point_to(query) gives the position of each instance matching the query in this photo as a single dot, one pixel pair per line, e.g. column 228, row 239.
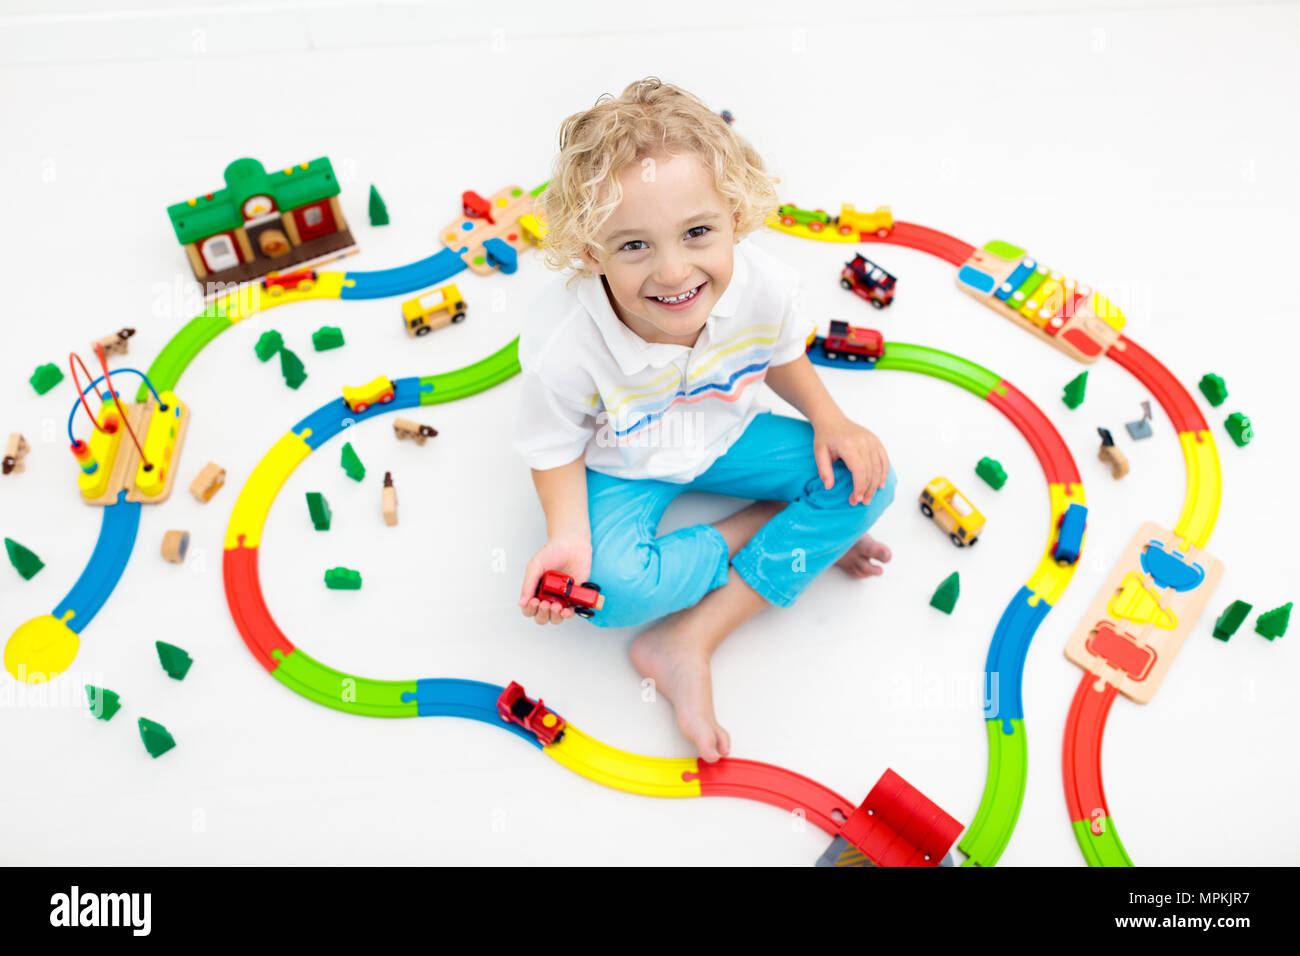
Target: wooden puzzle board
column 469, row 234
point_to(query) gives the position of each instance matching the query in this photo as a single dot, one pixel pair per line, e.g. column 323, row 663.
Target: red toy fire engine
column 853, row 344
column 585, row 598
column 515, row 707
column 869, row 281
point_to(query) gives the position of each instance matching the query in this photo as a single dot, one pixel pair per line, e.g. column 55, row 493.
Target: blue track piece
column 470, row 699
column 332, row 417
column 1005, row 667
column 818, row 357
column 107, row 562
column 408, row 278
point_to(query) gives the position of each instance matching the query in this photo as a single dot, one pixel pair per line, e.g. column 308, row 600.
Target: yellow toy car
column 378, row 392
column 952, row 511
column 433, row 310
column 851, row 221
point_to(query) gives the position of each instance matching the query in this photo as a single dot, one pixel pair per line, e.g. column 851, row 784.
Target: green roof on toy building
column 220, row 211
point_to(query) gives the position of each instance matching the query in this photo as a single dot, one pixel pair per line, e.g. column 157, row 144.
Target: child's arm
column 834, row 435
column 563, row 494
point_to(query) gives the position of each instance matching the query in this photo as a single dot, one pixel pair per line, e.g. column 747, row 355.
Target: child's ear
column 735, row 225
column 591, row 262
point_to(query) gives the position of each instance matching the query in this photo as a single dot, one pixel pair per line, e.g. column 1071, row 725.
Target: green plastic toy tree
column 319, row 509
column 174, row 660
column 1273, row 623
column 1074, row 390
column 268, row 344
column 1231, row 619
column 292, row 369
column 378, row 211
column 156, row 738
column 991, row 470
column 352, row 464
column 103, row 702
column 23, row 559
column 945, row 596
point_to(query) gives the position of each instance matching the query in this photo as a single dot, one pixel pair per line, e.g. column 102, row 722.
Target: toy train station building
column 263, row 222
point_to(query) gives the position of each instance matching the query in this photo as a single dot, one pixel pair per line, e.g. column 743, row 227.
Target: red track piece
column 1173, row 398
column 765, row 783
column 946, row 247
column 1084, row 727
column 898, row 825
column 1053, row 455
column 248, row 607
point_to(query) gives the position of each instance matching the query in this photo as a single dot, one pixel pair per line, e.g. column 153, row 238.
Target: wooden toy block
column 208, row 482
column 389, row 500
column 1144, row 611
column 174, row 546
column 16, row 450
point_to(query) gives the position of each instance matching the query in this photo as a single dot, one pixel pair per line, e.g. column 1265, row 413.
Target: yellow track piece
column 1204, row 487
column 257, row 495
column 650, row 776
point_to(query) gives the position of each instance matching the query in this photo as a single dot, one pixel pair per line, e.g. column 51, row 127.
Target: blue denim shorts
column 645, row 576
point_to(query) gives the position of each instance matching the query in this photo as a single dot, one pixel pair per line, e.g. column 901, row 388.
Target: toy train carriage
column 515, row 707
column 1071, row 316
column 379, row 391
column 852, row 343
column 849, row 226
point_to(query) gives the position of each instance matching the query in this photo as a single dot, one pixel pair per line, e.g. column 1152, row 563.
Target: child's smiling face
column 669, row 249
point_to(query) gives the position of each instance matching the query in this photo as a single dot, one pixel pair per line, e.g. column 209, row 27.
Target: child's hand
column 859, row 449
column 571, row 556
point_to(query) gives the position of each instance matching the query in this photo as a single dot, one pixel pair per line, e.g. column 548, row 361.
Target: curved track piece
column 1084, row 795
column 766, row 783
column 382, row 283
column 117, row 532
column 936, row 243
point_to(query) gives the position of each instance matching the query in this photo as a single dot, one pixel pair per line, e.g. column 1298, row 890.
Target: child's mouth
column 677, row 303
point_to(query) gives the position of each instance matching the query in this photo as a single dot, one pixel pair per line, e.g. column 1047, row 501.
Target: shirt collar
column 630, row 351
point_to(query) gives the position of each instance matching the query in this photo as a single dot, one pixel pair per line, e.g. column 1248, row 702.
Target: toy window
column 961, row 505
column 313, row 216
column 219, row 253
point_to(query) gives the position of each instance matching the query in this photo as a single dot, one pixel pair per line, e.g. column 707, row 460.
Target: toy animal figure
column 404, row 428
column 15, row 450
column 1112, row 455
column 115, row 344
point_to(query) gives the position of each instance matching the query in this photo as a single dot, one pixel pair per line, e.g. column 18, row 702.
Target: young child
column 640, row 380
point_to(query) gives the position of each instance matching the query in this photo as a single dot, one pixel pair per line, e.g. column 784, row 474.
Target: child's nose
column 671, row 271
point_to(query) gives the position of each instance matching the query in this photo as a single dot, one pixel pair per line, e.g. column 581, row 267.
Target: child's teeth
column 674, row 299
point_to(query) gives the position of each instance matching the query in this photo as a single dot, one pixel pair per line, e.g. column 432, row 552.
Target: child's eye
column 630, row 244
column 697, row 231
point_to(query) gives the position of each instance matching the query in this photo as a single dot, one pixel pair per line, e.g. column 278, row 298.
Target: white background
column 1149, row 149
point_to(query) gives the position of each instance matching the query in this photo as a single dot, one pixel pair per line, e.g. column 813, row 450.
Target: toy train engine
column 1069, row 539
column 852, row 344
column 514, row 707
column 866, row 279
column 585, row 598
column 277, row 283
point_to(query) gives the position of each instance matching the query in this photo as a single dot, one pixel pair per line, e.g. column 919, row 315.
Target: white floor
column 1148, row 148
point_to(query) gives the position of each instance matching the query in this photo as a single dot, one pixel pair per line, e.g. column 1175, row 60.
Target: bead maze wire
column 73, row 361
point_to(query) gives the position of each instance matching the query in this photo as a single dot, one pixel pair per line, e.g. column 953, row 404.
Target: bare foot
column 680, row 670
column 858, row 560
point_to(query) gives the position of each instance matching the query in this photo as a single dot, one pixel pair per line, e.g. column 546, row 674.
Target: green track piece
column 319, row 509
column 904, row 357
column 1004, row 791
column 23, row 559
column 327, row 337
column 378, row 211
column 1074, row 390
column 945, row 595
column 45, row 377
column 1213, row 389
column 1231, row 619
column 479, row 377
column 174, row 660
column 269, row 343
column 156, row 738
column 1004, row 249
column 991, row 470
column 1273, row 623
column 343, row 579
column 184, row 346
column 354, row 695
column 292, row 369
column 1100, row 849
column 1240, row 428
column 352, row 463
column 103, row 702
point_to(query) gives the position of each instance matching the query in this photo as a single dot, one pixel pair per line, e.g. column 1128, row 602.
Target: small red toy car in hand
column 585, row 598
column 515, row 707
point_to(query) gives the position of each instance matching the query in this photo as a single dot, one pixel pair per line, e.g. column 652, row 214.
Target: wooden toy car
column 433, row 310
column 378, row 392
column 851, row 221
column 815, row 219
column 515, row 707
column 208, row 483
column 404, row 428
column 852, row 343
column 868, row 280
column 115, row 344
column 585, row 598
column 15, row 450
column 278, row 283
column 1069, row 537
column 952, row 511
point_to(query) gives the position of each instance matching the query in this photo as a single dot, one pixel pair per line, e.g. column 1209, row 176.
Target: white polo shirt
column 593, row 388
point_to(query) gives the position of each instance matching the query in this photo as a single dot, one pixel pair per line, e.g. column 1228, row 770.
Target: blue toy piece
column 1069, row 541
column 1170, row 570
column 501, row 255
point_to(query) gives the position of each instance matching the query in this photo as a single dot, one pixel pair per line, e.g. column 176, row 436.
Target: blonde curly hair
column 649, row 118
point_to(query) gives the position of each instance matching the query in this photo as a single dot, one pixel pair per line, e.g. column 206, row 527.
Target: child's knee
column 623, row 577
